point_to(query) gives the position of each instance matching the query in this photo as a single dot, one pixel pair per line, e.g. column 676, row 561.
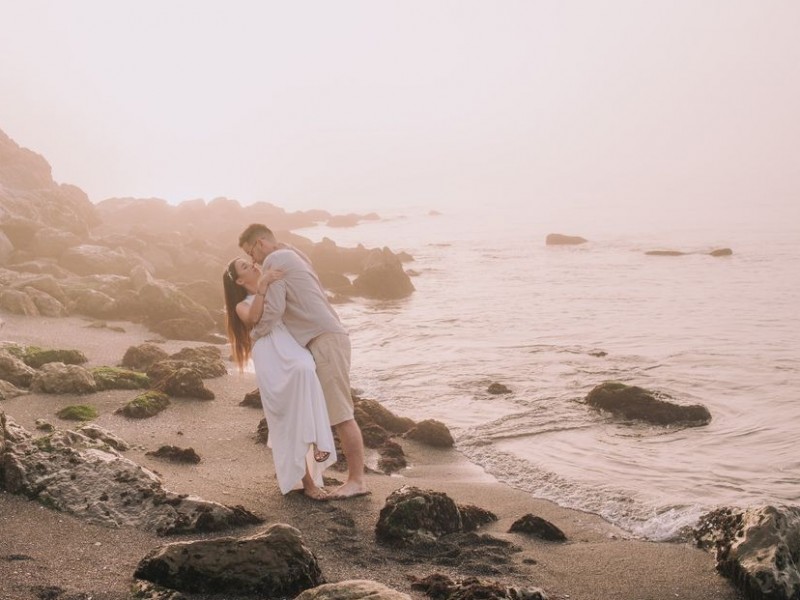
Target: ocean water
column 494, row 303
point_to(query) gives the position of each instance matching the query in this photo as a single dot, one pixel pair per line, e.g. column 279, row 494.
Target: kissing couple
column 278, row 314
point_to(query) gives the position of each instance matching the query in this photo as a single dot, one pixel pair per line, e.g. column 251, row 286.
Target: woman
column 299, row 430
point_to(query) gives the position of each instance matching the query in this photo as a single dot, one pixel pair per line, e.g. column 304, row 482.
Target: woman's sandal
column 320, row 455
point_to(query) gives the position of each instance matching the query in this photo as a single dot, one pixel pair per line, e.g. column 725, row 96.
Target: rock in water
column 633, row 402
column 558, row 239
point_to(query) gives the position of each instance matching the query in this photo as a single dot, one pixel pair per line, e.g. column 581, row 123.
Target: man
column 299, row 299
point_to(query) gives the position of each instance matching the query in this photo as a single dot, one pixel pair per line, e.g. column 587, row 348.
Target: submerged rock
column 633, row 402
column 272, row 564
column 498, row 388
column 382, row 277
column 758, row 548
column 559, row 239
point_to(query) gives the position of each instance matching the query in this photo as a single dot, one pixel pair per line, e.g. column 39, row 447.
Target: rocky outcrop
column 758, row 548
column 272, row 564
column 72, row 472
column 353, row 589
column 559, row 239
column 633, row 402
column 538, row 527
column 382, row 277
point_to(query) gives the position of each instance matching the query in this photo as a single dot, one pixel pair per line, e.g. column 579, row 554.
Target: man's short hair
column 255, row 231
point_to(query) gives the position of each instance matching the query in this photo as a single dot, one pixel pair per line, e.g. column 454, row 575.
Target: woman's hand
column 267, row 277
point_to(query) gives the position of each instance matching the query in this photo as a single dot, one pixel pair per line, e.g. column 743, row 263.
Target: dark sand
column 598, row 562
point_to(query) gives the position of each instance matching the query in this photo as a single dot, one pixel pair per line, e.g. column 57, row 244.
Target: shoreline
column 599, row 560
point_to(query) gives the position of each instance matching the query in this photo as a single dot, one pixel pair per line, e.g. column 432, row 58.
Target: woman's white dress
column 294, row 406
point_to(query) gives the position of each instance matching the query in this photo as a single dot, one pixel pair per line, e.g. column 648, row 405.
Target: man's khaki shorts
column 331, row 352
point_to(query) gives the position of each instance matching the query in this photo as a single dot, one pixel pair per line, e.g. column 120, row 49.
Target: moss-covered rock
column 116, row 378
column 35, row 357
column 77, row 412
column 145, row 405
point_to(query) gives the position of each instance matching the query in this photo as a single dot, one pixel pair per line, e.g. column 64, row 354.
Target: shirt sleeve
column 275, row 299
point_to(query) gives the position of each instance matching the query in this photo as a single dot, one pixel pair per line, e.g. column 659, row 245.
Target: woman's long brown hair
column 238, row 334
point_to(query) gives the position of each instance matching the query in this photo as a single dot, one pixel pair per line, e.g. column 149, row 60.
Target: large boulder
column 633, row 402
column 538, row 527
column 758, row 548
column 353, row 589
column 272, row 564
column 369, row 412
column 382, row 277
column 143, row 356
column 75, row 473
column 162, row 301
column 431, row 432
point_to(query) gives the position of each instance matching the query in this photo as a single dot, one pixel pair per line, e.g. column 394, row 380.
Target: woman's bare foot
column 316, row 493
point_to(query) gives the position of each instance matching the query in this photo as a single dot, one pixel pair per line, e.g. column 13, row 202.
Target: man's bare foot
column 315, row 493
column 349, row 490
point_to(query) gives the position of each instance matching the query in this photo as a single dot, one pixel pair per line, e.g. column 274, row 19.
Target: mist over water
column 493, row 303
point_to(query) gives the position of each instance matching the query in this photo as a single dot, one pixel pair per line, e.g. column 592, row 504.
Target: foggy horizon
column 667, row 107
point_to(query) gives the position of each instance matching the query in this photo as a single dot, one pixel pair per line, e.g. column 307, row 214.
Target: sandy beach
column 42, row 549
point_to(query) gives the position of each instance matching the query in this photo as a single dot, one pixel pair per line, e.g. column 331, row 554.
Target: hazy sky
column 350, row 105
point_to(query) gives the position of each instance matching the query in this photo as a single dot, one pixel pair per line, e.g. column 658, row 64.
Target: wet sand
column 42, row 548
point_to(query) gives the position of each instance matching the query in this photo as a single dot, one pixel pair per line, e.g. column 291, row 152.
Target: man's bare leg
column 353, row 448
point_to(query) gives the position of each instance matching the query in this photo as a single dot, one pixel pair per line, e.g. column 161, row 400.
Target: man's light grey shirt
column 298, row 299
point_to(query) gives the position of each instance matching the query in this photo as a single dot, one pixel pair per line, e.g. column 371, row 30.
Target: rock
column 58, row 378
column 262, row 433
column 440, row 587
column 412, row 516
column 45, row 303
column 274, row 564
column 71, row 472
column 336, row 282
column 352, row 589
column 143, row 356
column 392, row 458
column 498, row 388
column 181, row 382
column 50, row 242
column 45, row 426
column 369, row 411
column 175, row 454
column 98, row 433
column 632, row 402
column 206, row 360
column 538, row 527
column 181, row 329
column 431, row 432
column 77, row 412
column 162, row 301
column 13, row 370
column 757, row 548
column 44, row 283
column 473, row 517
column 252, row 399
column 374, row 435
column 35, row 357
column 8, row 390
column 18, row 303
column 145, row 405
column 115, row 378
column 558, row 239
column 93, row 303
column 382, row 277
column 721, row 252
column 88, row 259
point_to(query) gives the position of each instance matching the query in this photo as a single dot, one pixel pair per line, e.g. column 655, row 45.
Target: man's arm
column 275, row 299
